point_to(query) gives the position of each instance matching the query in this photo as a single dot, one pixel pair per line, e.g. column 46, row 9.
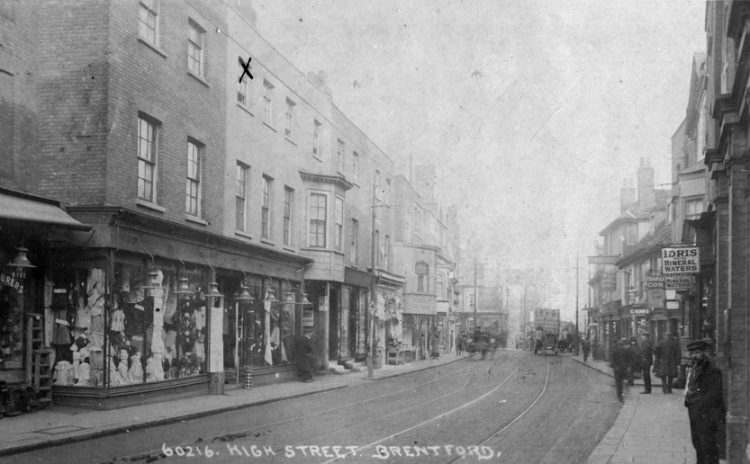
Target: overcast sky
column 533, row 111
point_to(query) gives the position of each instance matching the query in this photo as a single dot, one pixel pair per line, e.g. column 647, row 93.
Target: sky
column 532, row 111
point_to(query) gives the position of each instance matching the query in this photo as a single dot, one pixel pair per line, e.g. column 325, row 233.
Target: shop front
column 143, row 309
column 29, row 227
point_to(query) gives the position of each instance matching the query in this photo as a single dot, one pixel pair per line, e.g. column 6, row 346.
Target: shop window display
column 271, row 328
column 11, row 319
column 153, row 333
column 78, row 303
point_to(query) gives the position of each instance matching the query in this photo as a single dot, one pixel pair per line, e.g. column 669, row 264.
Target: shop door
column 333, row 324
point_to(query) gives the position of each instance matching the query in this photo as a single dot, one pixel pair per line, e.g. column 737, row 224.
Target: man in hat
column 705, row 403
column 620, row 363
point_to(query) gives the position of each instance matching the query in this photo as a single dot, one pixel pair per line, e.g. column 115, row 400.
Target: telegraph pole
column 576, row 342
column 475, row 294
column 372, row 288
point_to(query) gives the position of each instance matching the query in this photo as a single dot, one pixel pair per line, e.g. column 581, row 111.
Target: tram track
column 253, row 431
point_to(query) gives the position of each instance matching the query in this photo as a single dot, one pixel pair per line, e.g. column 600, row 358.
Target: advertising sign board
column 656, row 281
column 673, row 304
column 678, row 281
column 680, row 260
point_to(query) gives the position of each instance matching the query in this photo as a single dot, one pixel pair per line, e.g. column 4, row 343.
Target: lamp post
column 371, row 322
column 246, row 300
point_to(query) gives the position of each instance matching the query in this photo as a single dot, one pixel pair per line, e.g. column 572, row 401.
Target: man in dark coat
column 705, row 403
column 586, row 349
column 647, row 356
column 303, row 357
column 620, row 363
column 669, row 359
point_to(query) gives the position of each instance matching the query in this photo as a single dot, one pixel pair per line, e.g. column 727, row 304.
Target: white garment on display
column 267, row 332
column 157, row 333
column 118, row 321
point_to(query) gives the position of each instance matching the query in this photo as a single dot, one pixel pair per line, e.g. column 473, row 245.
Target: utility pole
column 475, row 294
column 372, row 288
column 576, row 342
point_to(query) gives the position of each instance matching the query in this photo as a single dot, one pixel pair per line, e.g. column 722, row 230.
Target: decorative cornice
column 338, row 181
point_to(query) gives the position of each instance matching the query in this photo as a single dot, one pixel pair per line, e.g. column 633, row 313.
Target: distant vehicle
column 480, row 343
column 547, row 336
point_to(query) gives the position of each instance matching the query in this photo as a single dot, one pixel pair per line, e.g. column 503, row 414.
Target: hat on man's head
column 695, row 345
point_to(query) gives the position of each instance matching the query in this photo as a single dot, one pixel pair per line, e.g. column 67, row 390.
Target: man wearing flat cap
column 705, row 402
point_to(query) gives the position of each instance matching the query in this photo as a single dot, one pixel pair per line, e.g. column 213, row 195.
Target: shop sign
column 680, row 260
column 308, row 319
column 640, row 312
column 656, row 281
column 673, row 305
column 678, row 281
column 12, row 281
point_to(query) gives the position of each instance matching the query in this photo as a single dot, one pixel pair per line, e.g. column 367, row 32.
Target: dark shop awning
column 16, row 206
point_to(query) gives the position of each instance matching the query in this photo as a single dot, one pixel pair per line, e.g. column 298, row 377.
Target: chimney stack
column 646, row 194
column 627, row 195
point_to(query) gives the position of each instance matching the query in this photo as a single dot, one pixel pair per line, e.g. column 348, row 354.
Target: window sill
column 245, row 109
column 149, row 205
column 269, row 126
column 291, row 250
column 242, row 234
column 267, row 242
column 290, row 141
column 198, row 78
column 196, row 220
column 152, row 47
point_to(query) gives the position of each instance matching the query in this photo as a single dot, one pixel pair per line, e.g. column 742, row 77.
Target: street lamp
column 246, row 300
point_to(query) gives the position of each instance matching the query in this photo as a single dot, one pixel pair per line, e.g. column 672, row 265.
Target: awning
column 16, row 206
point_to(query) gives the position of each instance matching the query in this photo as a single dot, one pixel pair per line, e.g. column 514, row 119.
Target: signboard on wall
column 679, row 281
column 656, row 281
column 680, row 260
column 308, row 318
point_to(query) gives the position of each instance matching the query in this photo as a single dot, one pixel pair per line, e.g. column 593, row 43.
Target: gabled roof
column 652, row 243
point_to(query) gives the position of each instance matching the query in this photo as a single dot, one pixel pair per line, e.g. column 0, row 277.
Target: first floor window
column 146, row 160
column 422, row 270
column 193, row 181
column 353, row 248
column 266, row 208
column 317, row 214
column 288, row 205
column 240, row 196
column 339, row 217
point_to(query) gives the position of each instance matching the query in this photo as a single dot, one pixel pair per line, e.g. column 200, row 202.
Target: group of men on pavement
column 703, row 386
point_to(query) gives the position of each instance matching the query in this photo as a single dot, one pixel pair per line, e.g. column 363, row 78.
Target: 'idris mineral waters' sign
column 680, row 260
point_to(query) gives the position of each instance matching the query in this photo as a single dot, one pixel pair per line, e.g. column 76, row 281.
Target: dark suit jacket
column 704, row 390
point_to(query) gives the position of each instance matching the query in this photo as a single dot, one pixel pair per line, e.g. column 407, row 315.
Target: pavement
column 649, row 428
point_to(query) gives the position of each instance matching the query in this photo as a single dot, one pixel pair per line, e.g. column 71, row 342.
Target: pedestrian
column 705, row 403
column 586, row 349
column 635, row 360
column 668, row 356
column 647, row 356
column 303, row 357
column 434, row 343
column 620, row 363
column 460, row 343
